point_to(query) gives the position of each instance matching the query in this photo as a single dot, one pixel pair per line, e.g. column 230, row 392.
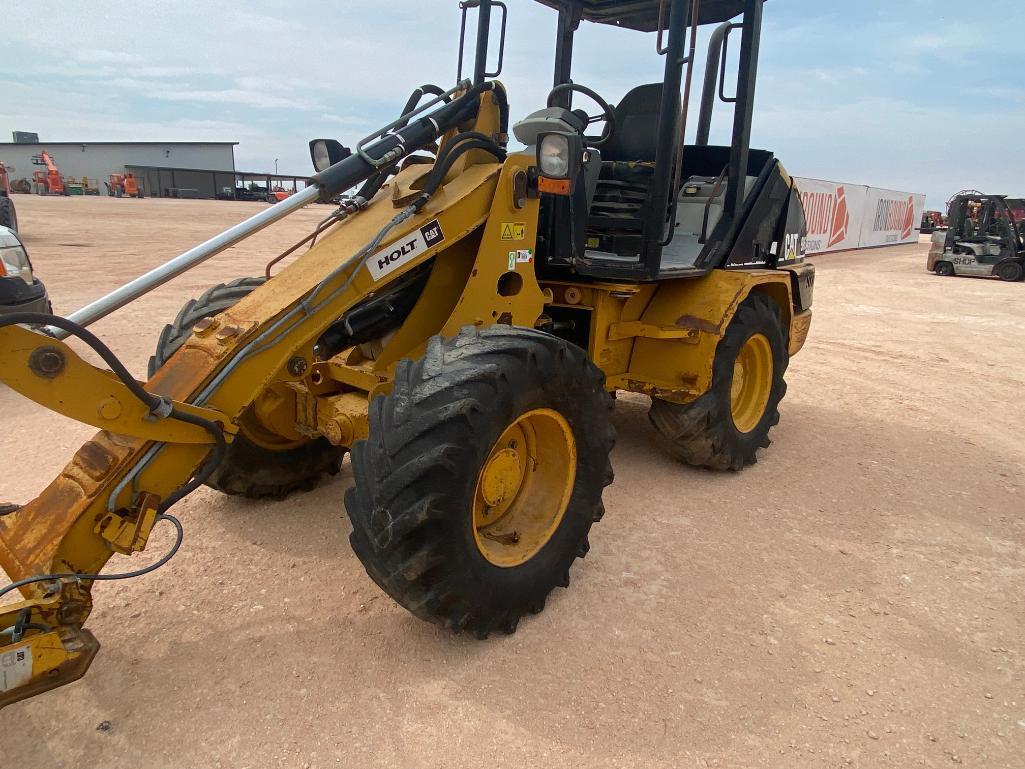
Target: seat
column 628, row 163
column 636, row 134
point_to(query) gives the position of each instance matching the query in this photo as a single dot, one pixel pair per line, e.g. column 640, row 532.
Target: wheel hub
column 502, row 476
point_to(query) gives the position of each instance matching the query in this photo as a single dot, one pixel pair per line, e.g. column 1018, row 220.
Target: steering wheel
column 608, row 113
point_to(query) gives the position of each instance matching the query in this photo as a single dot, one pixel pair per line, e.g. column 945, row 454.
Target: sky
column 915, row 95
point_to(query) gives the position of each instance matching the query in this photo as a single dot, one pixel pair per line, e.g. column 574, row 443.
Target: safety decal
column 513, row 231
column 15, row 668
column 390, row 258
column 525, row 256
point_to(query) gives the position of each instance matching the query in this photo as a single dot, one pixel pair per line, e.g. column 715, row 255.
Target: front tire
column 724, row 428
column 481, row 476
column 944, row 269
column 8, row 216
column 250, row 469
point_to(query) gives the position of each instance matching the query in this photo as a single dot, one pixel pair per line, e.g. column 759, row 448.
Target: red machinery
column 50, row 181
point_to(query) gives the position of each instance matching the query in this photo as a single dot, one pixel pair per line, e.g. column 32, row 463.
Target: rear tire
column 704, row 433
column 249, row 470
column 8, row 216
column 1011, row 272
column 944, row 269
column 432, row 442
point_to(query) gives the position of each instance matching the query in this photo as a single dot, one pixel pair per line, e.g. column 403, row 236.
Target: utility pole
column 275, row 166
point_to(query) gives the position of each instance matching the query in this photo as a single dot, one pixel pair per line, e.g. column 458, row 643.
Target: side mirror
column 326, row 152
column 559, row 158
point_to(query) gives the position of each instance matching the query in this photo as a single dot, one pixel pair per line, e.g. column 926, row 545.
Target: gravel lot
column 854, row 599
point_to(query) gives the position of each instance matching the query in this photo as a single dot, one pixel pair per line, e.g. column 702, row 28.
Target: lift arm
column 107, row 498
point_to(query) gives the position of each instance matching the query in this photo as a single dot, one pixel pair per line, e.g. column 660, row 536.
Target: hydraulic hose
column 159, row 407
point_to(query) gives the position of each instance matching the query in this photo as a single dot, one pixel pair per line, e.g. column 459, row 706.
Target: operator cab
column 643, row 205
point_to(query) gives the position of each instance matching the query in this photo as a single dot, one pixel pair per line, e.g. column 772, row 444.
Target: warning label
column 513, row 231
column 15, row 668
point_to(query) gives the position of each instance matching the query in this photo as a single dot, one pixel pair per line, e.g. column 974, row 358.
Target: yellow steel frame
column 655, row 338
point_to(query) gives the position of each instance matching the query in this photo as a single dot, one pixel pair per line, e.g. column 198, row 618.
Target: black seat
column 628, row 163
column 636, row 125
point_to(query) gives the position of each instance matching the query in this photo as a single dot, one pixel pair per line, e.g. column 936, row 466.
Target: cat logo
column 793, row 249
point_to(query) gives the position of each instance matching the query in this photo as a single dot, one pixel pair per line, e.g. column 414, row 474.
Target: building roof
column 79, row 144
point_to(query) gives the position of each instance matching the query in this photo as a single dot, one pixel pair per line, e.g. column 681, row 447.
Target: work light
column 559, row 156
column 553, row 156
column 326, row 152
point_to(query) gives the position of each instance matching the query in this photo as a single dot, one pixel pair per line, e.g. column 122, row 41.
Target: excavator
column 50, row 181
column 458, row 325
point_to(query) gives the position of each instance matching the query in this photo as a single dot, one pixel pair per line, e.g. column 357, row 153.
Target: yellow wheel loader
column 459, row 323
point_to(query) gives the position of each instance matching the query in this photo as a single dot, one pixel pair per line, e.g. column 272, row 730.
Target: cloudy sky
column 919, row 95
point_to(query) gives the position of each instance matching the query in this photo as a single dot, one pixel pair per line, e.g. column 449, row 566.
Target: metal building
column 97, row 160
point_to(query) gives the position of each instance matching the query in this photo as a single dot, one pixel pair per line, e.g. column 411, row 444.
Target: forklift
column 459, row 325
column 984, row 238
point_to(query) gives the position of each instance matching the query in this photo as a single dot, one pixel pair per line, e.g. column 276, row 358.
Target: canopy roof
column 642, row 15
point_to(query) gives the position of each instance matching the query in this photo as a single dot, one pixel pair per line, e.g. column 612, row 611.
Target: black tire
column 944, row 269
column 249, row 470
column 416, row 474
column 8, row 216
column 703, row 433
column 1011, row 272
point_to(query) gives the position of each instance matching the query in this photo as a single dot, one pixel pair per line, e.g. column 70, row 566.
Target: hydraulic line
column 161, row 408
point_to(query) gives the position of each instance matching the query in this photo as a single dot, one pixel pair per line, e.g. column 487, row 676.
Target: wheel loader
column 460, row 323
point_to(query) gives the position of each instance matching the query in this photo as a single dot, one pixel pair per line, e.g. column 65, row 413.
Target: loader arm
column 104, row 500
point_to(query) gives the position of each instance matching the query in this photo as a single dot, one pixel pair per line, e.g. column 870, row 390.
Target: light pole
column 275, row 166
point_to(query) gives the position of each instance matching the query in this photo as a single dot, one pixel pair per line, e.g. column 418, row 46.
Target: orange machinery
column 122, row 185
column 50, row 181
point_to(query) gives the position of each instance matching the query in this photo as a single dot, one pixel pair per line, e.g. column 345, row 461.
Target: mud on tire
column 702, row 433
column 416, row 474
column 249, row 470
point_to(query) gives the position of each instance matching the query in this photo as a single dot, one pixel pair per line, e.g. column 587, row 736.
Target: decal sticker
column 512, row 261
column 593, row 242
column 525, row 256
column 792, row 247
column 15, row 668
column 390, row 258
column 513, row 231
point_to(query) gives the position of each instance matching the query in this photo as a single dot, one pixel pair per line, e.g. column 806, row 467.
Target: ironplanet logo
column 826, row 215
column 895, row 215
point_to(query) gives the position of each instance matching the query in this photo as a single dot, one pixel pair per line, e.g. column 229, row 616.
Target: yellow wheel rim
column 752, row 383
column 524, row 487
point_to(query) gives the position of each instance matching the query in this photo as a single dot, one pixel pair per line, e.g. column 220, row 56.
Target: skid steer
column 460, row 323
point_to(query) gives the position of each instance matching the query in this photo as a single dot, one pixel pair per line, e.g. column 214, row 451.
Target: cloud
column 235, row 96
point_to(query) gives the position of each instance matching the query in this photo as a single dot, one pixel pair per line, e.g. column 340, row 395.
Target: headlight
column 14, row 264
column 326, row 152
column 321, row 159
column 553, row 156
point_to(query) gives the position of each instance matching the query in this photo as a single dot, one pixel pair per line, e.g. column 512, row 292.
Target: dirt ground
column 854, row 599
